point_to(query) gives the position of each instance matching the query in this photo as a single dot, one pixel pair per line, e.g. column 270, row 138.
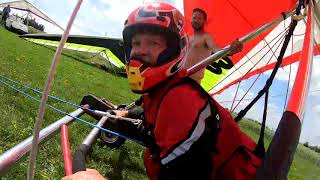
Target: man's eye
column 135, row 43
column 155, row 43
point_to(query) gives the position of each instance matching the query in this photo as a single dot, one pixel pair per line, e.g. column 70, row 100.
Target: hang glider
column 239, row 67
column 112, row 47
column 24, row 5
column 225, row 15
column 297, row 33
column 249, row 17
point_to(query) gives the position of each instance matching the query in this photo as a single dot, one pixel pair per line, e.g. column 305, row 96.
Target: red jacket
column 196, row 138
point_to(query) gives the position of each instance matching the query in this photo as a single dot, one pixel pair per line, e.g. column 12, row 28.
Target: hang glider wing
column 229, row 20
column 111, row 46
column 24, row 5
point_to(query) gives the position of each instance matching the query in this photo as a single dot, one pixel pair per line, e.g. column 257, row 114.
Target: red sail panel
column 231, row 19
column 302, row 81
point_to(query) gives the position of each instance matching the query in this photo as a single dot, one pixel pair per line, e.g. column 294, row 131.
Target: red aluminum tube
column 302, row 82
column 66, row 150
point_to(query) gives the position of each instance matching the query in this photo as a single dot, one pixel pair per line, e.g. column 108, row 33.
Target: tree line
column 34, row 24
column 315, row 148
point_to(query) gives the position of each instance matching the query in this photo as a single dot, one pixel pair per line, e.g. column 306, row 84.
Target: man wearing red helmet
column 187, row 134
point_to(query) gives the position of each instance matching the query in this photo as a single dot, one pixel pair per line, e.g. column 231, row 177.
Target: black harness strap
column 260, row 149
column 243, row 112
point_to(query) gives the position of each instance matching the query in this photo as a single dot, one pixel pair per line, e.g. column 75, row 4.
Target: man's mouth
column 143, row 60
column 196, row 26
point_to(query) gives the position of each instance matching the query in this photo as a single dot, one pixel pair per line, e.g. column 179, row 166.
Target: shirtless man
column 202, row 45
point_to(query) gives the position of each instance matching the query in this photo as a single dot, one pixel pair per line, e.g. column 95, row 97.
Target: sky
column 106, row 18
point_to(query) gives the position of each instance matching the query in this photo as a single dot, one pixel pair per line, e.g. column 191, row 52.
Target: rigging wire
column 235, row 96
column 108, row 60
column 259, row 73
column 65, row 113
column 249, row 59
column 232, row 110
column 277, row 65
column 40, row 92
column 50, row 96
column 274, row 96
column 289, row 79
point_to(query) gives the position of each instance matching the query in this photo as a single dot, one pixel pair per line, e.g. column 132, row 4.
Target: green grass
column 28, row 63
column 92, row 59
column 306, row 163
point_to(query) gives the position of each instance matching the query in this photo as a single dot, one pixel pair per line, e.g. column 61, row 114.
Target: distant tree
column 34, row 24
column 306, row 144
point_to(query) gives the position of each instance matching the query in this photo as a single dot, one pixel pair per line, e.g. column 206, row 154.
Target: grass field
column 28, row 63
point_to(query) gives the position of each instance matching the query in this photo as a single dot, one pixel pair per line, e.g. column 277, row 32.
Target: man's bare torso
column 201, row 46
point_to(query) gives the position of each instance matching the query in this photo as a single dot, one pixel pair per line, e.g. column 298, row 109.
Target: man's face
column 146, row 47
column 197, row 21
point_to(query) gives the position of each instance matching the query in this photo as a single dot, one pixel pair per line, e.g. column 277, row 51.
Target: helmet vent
column 161, row 18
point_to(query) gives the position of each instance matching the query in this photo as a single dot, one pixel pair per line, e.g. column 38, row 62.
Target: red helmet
column 160, row 18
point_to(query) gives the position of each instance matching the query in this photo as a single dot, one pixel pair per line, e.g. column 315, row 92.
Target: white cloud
column 311, row 123
column 101, row 17
column 96, row 17
column 316, row 109
column 283, row 73
column 315, row 80
column 119, row 10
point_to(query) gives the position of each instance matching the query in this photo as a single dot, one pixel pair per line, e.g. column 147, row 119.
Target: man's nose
column 140, row 50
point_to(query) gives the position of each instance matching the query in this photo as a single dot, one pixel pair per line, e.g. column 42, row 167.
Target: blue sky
column 102, row 17
column 96, row 17
column 311, row 123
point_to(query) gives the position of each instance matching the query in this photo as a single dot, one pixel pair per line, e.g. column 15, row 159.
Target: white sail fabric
column 269, row 51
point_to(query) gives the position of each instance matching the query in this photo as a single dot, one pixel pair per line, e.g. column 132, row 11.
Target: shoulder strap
column 212, row 122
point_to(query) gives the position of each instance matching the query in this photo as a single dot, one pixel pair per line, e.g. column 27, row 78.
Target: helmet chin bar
column 136, row 81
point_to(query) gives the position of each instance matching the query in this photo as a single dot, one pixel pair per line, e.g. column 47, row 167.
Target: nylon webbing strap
column 260, row 149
